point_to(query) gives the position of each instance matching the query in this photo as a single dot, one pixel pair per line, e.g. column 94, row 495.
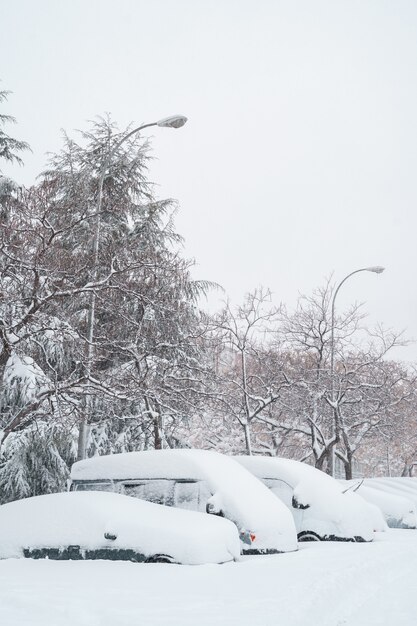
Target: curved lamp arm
column 377, row 269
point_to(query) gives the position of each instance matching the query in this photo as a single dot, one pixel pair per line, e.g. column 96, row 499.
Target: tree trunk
column 157, row 432
column 322, row 460
column 247, row 439
column 331, row 458
column 82, row 439
column 407, row 470
column 349, row 466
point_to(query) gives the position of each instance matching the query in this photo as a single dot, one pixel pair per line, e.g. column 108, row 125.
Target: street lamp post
column 376, row 270
column 174, row 121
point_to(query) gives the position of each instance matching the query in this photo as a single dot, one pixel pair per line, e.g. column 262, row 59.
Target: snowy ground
column 331, row 584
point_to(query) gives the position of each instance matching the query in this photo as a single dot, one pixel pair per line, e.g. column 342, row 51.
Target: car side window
column 92, row 486
column 192, row 495
column 156, row 491
column 205, row 494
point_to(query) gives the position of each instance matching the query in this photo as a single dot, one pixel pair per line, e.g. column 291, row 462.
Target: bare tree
column 337, row 413
column 250, row 377
column 306, row 335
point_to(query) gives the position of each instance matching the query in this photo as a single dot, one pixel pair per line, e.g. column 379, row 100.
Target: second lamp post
column 376, row 270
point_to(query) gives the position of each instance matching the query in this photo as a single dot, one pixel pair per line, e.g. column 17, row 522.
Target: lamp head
column 174, row 121
column 377, row 269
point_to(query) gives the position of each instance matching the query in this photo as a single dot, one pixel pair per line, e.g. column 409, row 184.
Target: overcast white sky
column 300, row 155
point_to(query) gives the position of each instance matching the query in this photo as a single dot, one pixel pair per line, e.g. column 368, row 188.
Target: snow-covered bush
column 36, row 460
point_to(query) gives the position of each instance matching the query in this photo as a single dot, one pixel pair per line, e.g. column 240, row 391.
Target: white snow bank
column 321, row 506
column 83, row 518
column 326, row 584
column 236, row 493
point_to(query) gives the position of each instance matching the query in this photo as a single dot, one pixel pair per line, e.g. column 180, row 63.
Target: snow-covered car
column 398, row 510
column 198, row 480
column 321, row 510
column 404, row 486
column 111, row 526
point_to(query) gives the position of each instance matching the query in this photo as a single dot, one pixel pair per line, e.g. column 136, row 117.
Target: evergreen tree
column 140, row 375
column 9, row 147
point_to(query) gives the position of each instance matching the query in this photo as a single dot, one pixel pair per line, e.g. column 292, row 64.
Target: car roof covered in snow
column 175, row 464
column 288, row 470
